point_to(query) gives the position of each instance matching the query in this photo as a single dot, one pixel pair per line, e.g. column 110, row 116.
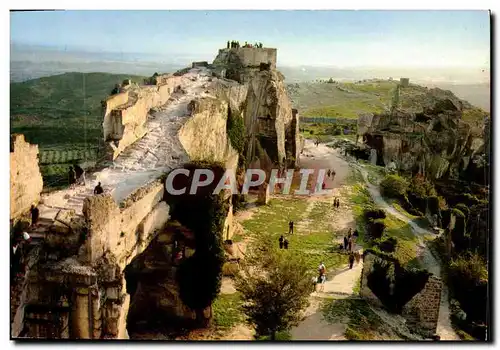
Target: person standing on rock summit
column 98, row 189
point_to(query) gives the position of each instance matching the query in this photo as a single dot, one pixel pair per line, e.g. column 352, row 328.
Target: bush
column 389, row 245
column 394, row 186
column 374, row 214
column 239, row 202
column 235, row 128
column 464, row 209
column 469, row 283
column 376, row 228
column 421, row 187
column 433, row 205
column 406, row 283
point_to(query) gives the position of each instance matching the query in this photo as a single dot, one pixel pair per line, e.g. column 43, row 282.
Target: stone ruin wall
column 125, row 115
column 253, row 57
column 421, row 312
column 26, row 182
column 204, row 135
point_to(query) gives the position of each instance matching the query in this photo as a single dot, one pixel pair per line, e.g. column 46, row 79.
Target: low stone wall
column 123, row 231
column 125, row 123
column 422, row 311
column 25, row 178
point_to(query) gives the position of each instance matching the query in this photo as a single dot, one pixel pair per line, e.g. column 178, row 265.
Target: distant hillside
column 348, row 100
column 62, row 111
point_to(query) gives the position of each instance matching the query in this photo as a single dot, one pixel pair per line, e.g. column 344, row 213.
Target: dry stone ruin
column 421, row 311
column 90, row 256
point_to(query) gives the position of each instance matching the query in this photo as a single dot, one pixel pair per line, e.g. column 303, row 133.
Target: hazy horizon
column 337, row 38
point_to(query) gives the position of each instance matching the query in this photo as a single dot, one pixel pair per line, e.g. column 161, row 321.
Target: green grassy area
column 407, row 241
column 62, row 111
column 315, row 246
column 350, row 109
column 227, row 311
column 362, row 322
column 349, row 99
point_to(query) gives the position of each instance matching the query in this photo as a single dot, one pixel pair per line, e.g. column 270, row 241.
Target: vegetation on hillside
column 62, row 111
column 350, row 99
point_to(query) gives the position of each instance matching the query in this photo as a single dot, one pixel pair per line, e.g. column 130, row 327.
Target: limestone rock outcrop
column 25, row 178
column 125, row 113
column 433, row 139
column 256, row 90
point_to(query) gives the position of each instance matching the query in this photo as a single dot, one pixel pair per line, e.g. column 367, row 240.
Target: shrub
column 394, row 186
column 239, row 201
column 374, row 214
column 406, row 283
column 469, row 283
column 389, row 245
column 421, row 187
column 235, row 128
column 433, row 204
column 464, row 209
column 376, row 228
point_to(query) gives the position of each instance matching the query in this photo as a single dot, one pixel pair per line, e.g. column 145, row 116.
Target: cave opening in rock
column 151, row 280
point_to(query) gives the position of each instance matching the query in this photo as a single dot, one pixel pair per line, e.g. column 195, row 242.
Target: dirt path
column 341, row 282
column 444, row 328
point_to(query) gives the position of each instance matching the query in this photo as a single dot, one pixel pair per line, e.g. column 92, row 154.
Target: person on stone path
column 80, row 174
column 357, row 256
column 290, row 227
column 322, row 276
column 71, row 176
column 349, row 244
column 35, row 213
column 285, row 243
column 345, row 242
column 329, row 172
column 98, row 189
column 281, row 240
column 338, row 203
column 351, row 260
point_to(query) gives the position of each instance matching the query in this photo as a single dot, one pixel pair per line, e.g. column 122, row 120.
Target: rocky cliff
column 256, row 91
column 430, row 138
column 25, row 178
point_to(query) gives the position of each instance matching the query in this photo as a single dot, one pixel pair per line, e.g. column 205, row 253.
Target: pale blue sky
column 337, row 38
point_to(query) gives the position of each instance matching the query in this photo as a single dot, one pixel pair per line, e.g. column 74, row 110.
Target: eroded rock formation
column 431, row 138
column 25, row 178
column 76, row 279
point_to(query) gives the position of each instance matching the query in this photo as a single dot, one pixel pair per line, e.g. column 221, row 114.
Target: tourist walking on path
column 290, row 227
column 285, row 243
column 349, row 244
column 322, row 276
column 281, row 241
column 35, row 213
column 80, row 175
column 351, row 260
column 345, row 242
column 357, row 256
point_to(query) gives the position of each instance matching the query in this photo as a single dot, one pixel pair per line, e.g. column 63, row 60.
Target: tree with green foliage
column 200, row 275
column 275, row 286
column 468, row 276
column 394, row 186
